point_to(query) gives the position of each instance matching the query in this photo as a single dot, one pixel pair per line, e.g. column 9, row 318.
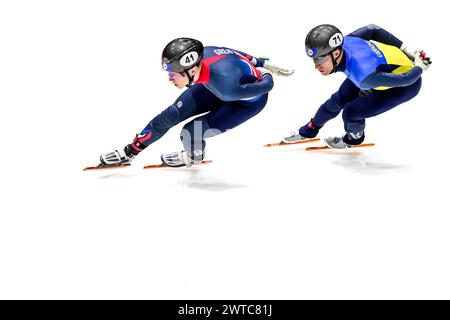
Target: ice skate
column 182, row 158
column 336, row 143
column 294, row 137
column 117, row 157
column 348, row 141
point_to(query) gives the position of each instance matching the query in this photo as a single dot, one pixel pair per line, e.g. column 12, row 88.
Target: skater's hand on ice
column 264, row 71
column 278, row 70
column 422, row 61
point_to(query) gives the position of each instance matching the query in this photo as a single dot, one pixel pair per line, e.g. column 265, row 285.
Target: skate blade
column 329, row 148
column 162, row 165
column 282, row 143
column 102, row 166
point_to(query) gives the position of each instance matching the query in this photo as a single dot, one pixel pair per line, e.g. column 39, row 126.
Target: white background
column 79, row 78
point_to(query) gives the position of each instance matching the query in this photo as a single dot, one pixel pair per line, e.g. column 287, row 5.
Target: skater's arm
column 386, row 79
column 250, row 90
column 265, row 63
column 257, row 62
column 374, row 32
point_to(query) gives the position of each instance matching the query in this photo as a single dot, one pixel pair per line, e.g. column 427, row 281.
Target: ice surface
column 82, row 78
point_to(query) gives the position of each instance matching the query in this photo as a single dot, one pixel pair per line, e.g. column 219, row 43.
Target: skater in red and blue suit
column 228, row 85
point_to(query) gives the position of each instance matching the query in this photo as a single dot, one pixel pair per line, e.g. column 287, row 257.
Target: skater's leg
column 377, row 102
column 356, row 111
column 330, row 109
column 193, row 101
column 347, row 92
column 221, row 119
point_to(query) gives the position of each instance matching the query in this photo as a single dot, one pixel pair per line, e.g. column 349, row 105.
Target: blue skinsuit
column 229, row 88
column 372, row 61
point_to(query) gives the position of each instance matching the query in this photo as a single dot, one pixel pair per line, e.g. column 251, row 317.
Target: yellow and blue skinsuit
column 379, row 77
column 374, row 65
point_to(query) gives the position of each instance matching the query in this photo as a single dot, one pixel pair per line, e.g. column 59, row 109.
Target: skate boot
column 294, row 137
column 182, row 158
column 347, row 141
column 118, row 157
column 306, row 132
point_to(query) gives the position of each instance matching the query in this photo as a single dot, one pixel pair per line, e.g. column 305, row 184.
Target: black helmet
column 322, row 40
column 182, row 54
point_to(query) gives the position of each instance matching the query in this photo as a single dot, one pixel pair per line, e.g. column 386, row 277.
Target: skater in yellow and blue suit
column 381, row 71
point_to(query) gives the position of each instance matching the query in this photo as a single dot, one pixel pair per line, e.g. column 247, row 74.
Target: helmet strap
column 335, row 64
column 190, row 78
